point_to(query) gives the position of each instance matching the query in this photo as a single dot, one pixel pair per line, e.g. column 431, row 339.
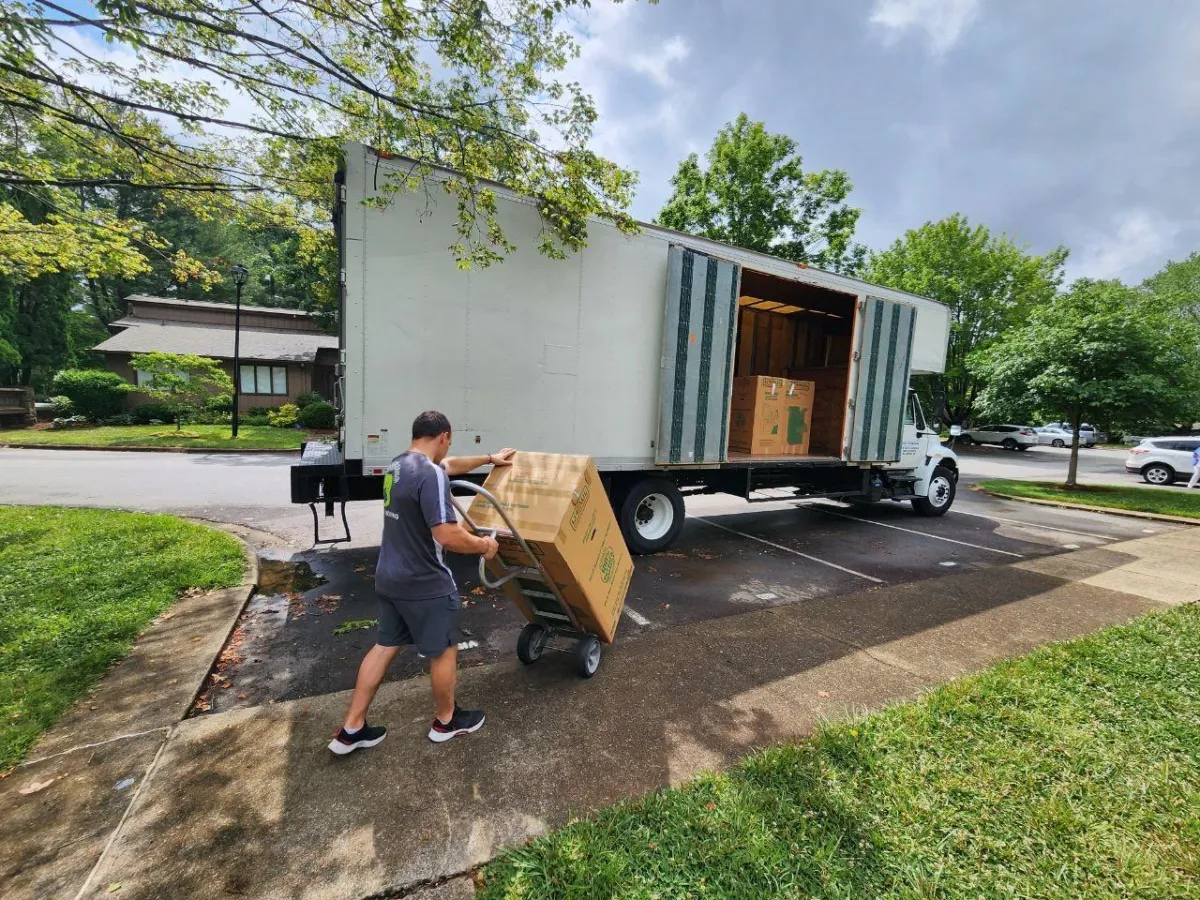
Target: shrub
column 148, row 413
column 257, row 415
column 308, row 398
column 62, row 407
column 70, row 422
column 318, row 415
column 285, row 416
column 122, row 420
column 211, row 417
column 221, row 403
column 94, row 393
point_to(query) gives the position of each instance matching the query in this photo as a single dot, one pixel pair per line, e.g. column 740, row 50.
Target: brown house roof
column 208, row 304
column 217, row 342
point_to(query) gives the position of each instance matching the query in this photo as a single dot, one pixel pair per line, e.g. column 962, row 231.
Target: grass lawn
column 1072, row 772
column 206, row 437
column 76, row 587
column 1163, row 500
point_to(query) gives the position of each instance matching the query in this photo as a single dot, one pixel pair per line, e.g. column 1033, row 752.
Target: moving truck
column 627, row 351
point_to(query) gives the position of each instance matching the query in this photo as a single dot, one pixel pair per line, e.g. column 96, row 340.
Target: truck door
column 697, row 358
column 884, row 360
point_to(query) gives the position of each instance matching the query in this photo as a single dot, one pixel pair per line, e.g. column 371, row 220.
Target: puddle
column 280, row 574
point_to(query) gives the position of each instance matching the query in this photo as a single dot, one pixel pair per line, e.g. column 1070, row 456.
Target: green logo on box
column 608, row 565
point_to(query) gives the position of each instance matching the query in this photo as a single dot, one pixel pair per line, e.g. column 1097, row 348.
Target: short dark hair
column 430, row 424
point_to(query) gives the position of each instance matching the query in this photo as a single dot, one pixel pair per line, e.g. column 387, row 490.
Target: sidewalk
column 250, row 803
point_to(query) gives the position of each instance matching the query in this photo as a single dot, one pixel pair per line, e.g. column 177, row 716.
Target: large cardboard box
column 559, row 506
column 770, row 416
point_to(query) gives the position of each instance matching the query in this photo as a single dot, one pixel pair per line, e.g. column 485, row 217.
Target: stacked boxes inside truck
column 559, row 506
column 770, row 416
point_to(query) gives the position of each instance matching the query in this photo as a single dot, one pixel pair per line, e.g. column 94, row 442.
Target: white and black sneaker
column 348, row 741
column 464, row 721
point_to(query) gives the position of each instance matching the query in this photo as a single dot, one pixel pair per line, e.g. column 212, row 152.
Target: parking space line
column 823, row 562
column 637, row 617
column 1103, row 537
column 936, row 537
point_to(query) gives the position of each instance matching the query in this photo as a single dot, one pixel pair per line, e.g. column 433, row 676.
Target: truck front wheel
column 942, row 487
column 651, row 515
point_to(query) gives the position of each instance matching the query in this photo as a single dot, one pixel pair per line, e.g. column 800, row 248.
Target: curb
column 231, row 450
column 1131, row 513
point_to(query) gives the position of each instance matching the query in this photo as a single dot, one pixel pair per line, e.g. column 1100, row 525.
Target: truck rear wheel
column 942, row 488
column 651, row 515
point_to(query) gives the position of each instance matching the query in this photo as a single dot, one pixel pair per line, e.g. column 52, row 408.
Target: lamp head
column 239, row 274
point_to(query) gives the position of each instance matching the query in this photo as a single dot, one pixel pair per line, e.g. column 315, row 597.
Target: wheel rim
column 537, row 643
column 1009, row 444
column 654, row 517
column 593, row 656
column 939, row 491
column 1156, row 475
column 1059, row 444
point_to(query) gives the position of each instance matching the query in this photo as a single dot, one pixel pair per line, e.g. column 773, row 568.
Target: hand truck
column 548, row 613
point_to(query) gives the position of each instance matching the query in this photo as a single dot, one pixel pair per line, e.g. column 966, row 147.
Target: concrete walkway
column 250, row 803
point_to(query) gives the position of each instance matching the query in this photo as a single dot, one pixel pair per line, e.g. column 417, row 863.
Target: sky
column 1073, row 122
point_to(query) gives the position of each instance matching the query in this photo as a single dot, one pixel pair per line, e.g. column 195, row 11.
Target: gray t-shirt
column 416, row 497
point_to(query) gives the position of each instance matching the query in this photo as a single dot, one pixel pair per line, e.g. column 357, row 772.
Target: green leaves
column 755, row 194
column 990, row 283
column 181, row 381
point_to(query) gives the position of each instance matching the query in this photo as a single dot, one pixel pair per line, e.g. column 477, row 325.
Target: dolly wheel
column 531, row 643
column 587, row 656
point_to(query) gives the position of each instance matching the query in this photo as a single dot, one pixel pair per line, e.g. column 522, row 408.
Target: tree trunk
column 1073, row 469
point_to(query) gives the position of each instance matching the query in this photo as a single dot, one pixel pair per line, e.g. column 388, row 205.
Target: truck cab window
column 914, row 415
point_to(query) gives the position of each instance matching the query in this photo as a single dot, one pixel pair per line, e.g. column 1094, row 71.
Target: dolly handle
column 490, row 532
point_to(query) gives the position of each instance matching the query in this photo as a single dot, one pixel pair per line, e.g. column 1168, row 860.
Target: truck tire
column 942, row 488
column 651, row 515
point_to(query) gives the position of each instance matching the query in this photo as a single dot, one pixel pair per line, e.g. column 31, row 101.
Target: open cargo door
column 697, row 358
column 884, row 357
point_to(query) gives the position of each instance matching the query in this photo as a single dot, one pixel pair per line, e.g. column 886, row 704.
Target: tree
column 1179, row 284
column 236, row 110
column 990, row 284
column 1101, row 351
column 754, row 193
column 182, row 382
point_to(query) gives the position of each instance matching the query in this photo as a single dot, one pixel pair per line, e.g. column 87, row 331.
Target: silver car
column 1010, row 437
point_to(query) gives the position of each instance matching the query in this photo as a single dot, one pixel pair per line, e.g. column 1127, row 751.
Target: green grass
column 1165, row 501
column 1072, row 772
column 76, row 587
column 356, row 625
column 206, row 437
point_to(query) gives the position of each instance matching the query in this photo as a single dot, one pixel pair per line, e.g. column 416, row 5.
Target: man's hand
column 504, row 457
column 491, row 548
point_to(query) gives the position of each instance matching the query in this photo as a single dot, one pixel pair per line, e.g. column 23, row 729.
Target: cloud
column 943, row 21
column 1132, row 239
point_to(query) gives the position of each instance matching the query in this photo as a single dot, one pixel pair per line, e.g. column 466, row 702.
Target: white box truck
column 625, row 351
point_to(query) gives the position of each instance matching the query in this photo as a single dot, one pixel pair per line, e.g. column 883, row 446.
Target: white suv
column 1010, row 437
column 1162, row 460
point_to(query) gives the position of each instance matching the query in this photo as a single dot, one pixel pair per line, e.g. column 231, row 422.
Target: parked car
column 1089, row 435
column 1162, row 460
column 1010, row 437
column 1053, row 437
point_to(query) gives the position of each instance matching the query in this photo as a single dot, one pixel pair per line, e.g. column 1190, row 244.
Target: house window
column 264, row 380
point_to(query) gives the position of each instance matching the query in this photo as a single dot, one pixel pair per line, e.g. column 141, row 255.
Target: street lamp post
column 239, row 278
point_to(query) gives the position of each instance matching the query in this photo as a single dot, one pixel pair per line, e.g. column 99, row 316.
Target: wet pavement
column 306, row 630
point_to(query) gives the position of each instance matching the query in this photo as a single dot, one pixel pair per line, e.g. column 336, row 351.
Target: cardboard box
column 770, row 416
column 559, row 506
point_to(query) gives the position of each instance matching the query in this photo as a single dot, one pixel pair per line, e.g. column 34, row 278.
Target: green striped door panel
column 697, row 358
column 884, row 365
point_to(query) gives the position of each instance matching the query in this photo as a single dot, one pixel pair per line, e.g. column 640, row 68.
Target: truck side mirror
column 955, row 431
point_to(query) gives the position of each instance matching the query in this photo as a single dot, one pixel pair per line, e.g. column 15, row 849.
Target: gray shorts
column 430, row 625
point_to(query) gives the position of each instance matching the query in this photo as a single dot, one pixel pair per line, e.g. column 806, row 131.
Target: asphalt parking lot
column 294, row 640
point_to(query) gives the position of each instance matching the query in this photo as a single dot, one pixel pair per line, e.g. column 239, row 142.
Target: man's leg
column 370, row 675
column 443, row 674
column 1195, row 477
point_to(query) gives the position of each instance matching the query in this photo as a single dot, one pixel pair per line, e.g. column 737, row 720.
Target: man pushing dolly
column 418, row 599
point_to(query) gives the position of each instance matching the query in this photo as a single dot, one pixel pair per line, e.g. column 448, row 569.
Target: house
column 283, row 352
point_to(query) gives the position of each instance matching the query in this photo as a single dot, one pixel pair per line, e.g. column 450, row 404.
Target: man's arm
column 461, row 465
column 457, row 539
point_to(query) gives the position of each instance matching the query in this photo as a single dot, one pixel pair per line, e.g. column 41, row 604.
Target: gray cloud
column 1073, row 122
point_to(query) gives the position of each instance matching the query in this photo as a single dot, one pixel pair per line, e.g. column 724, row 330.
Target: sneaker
column 367, row 736
column 464, row 721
